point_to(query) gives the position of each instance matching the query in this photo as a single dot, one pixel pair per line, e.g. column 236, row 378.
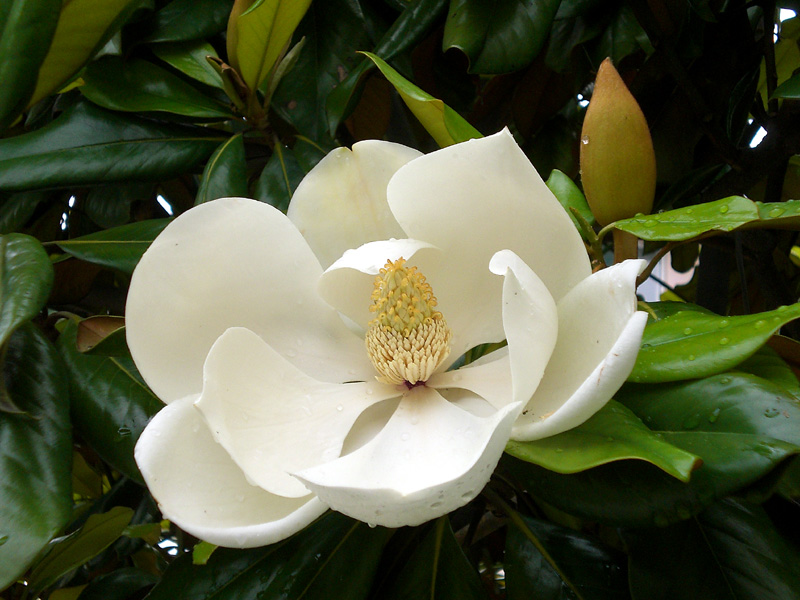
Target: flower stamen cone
column 408, row 339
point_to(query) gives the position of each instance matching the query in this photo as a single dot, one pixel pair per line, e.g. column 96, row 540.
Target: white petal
column 227, row 263
column 271, row 417
column 530, row 321
column 348, row 283
column 489, row 378
column 341, row 203
column 201, row 489
column 598, row 339
column 431, row 458
column 472, row 200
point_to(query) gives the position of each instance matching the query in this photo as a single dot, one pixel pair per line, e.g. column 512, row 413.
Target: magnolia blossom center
column 408, row 339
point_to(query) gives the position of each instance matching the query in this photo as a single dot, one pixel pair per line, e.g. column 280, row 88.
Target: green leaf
column 571, row 197
column 767, row 364
column 183, row 20
column 35, row 453
column 279, row 179
column 789, row 88
column 731, row 551
column 262, row 32
column 612, row 434
column 597, row 571
column 411, row 27
column 110, row 403
column 103, row 335
column 687, row 223
column 499, row 37
column 225, row 174
column 728, row 402
column 120, row 584
column 26, row 277
column 117, row 248
column 87, row 144
column 25, row 35
column 777, row 214
column 17, row 209
column 190, row 59
column 70, row 552
column 444, row 124
column 437, row 570
column 691, row 344
column 137, row 85
column 110, row 205
column 84, row 26
column 201, row 552
column 335, row 557
column 333, row 31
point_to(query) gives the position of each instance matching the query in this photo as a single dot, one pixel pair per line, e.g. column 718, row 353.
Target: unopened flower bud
column 618, row 165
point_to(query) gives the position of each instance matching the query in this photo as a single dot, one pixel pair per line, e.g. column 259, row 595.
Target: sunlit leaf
column 691, row 344
column 190, row 58
column 444, row 124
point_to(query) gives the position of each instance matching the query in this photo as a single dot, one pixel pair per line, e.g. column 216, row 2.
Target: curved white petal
column 598, row 339
column 472, row 200
column 431, row 458
column 341, row 203
column 227, row 263
column 198, row 486
column 271, row 417
column 489, row 378
column 348, row 283
column 530, row 320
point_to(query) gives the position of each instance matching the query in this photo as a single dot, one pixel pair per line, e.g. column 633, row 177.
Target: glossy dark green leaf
column 767, row 364
column 87, row 144
column 437, row 570
column 84, row 26
column 183, row 20
column 119, row 247
column 636, row 494
column 110, row 403
column 121, row 584
column 225, row 174
column 35, row 452
column 729, row 402
column 190, row 59
column 691, row 344
column 333, row 558
column 17, row 209
column 409, row 28
column 444, row 124
column 279, row 179
column 137, row 86
column 25, row 35
column 70, row 552
column 334, row 31
column 26, row 277
column 499, row 37
column 612, row 434
column 686, row 223
column 594, row 569
column 789, row 88
column 731, row 551
column 110, row 205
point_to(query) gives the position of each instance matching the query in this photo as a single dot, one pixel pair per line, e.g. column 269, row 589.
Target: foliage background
column 112, row 120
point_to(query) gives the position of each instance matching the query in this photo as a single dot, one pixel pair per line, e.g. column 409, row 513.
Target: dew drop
column 772, row 412
column 712, row 418
column 291, row 353
column 405, row 437
column 124, row 432
column 436, row 505
column 776, row 212
column 340, row 408
column 559, row 450
column 467, row 495
column 584, row 139
column 724, row 341
column 651, row 223
column 759, row 324
column 689, row 211
column 691, row 357
column 370, row 391
column 724, row 209
column 724, row 323
column 371, row 525
column 687, row 331
column 725, row 380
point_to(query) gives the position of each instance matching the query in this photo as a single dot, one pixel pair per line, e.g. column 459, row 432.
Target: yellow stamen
column 408, row 339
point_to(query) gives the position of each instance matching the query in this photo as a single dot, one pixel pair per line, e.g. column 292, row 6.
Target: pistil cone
column 618, row 165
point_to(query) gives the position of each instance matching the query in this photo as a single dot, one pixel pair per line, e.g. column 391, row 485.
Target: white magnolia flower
column 287, row 395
